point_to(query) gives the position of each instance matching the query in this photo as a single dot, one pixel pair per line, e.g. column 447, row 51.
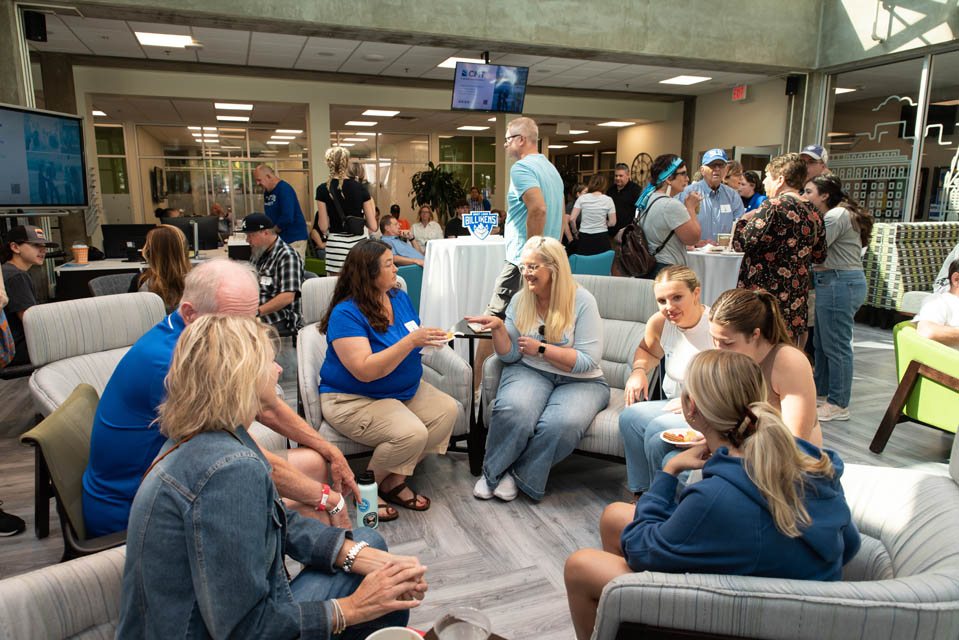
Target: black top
column 455, row 228
column 22, row 295
column 625, row 201
column 351, row 197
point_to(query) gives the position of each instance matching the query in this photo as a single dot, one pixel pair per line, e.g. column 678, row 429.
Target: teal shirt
column 532, row 171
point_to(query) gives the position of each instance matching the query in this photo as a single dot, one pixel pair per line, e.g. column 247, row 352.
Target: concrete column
column 59, row 93
column 12, row 83
column 319, row 136
column 503, row 163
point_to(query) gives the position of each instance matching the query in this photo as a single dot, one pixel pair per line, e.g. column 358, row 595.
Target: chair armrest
column 310, row 354
column 96, row 545
column 492, row 370
column 449, row 373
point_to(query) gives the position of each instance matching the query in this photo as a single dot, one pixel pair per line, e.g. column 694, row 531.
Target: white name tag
column 725, row 208
column 266, row 281
column 411, row 326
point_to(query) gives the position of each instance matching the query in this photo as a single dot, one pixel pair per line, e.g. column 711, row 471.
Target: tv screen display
column 489, row 87
column 41, row 159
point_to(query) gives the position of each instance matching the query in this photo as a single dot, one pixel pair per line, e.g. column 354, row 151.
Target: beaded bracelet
column 351, row 556
column 339, row 620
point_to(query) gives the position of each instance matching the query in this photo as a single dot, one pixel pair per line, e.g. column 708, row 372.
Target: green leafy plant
column 437, row 188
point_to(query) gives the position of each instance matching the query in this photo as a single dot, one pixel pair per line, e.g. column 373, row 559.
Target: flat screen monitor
column 41, row 160
column 117, row 238
column 489, row 87
column 206, row 225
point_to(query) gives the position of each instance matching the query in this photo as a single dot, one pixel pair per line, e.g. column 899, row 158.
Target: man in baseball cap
column 24, row 247
column 31, row 234
column 280, row 270
column 815, row 157
column 721, row 205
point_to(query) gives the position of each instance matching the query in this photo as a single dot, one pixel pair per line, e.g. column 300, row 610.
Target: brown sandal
column 393, row 497
column 387, row 508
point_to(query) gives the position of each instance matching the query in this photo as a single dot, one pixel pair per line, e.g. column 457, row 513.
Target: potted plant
column 437, row 188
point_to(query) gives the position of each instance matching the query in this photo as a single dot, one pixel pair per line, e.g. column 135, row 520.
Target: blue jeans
column 646, row 453
column 839, row 294
column 538, row 419
column 313, row 585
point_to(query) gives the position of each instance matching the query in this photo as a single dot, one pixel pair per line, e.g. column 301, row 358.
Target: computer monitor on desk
column 206, row 229
column 117, row 238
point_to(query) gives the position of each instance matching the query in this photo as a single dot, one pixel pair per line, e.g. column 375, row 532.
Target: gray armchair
column 903, row 583
column 625, row 304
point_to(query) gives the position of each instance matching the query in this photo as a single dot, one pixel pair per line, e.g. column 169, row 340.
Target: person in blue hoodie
column 769, row 504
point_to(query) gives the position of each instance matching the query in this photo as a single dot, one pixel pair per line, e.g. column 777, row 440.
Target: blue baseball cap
column 814, row 151
column 714, row 154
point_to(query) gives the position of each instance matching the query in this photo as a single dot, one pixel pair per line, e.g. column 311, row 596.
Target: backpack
column 635, row 259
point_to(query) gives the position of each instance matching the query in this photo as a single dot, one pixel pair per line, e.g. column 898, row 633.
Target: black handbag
column 349, row 225
column 636, row 260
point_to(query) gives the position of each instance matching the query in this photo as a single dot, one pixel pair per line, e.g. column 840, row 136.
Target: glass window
column 607, row 160
column 484, row 149
column 462, row 172
column 484, row 177
column 403, row 147
column 938, row 197
column 586, row 162
column 456, row 149
column 113, row 175
column 109, row 141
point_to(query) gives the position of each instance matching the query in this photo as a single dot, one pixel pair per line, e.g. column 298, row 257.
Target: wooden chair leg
column 894, row 410
column 41, row 495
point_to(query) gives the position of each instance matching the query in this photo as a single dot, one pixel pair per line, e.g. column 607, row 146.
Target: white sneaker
column 506, row 489
column 820, row 401
column 481, row 490
column 829, row 411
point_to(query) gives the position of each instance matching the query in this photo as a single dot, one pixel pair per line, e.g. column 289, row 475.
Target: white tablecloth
column 717, row 272
column 458, row 278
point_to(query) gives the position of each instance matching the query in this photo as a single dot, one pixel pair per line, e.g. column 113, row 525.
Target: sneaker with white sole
column 506, row 489
column 481, row 490
column 10, row 525
column 829, row 411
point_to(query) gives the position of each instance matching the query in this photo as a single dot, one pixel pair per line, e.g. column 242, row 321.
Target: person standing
column 599, row 214
column 668, row 224
column 281, row 205
column 815, row 158
column 752, row 191
column 721, row 205
column 344, row 210
column 624, row 193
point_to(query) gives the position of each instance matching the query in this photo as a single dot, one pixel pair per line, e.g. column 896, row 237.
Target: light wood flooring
column 504, row 558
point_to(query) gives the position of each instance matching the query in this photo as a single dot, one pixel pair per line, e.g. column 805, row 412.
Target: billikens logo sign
column 480, row 223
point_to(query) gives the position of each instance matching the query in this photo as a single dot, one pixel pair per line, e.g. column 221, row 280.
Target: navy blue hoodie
column 722, row 525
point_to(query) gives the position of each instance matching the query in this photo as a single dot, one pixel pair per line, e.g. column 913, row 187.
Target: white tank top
column 680, row 345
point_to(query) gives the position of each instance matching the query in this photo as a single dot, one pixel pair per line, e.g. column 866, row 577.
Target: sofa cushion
column 51, row 384
column 603, row 434
column 872, row 562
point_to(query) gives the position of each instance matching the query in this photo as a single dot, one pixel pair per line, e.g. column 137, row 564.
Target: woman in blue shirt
column 370, row 383
column 752, row 191
column 769, row 504
column 552, row 385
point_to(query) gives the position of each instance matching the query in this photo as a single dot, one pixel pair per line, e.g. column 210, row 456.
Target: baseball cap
column 714, row 154
column 814, row 151
column 256, row 222
column 29, row 233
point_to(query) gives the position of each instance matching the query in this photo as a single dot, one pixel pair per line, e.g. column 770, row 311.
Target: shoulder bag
column 350, row 225
column 636, row 260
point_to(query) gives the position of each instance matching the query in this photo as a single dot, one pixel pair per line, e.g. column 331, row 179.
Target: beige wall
column 147, row 145
column 757, row 121
column 655, row 138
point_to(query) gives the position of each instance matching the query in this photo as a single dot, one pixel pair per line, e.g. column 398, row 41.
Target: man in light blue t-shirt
column 534, row 206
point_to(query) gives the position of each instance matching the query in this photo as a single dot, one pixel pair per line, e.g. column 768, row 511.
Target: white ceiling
column 95, row 36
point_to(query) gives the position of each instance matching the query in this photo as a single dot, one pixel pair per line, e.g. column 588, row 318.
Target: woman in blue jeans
column 552, row 385
column 840, row 291
column 678, row 331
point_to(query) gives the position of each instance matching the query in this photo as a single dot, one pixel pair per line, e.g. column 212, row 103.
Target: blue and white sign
column 480, row 223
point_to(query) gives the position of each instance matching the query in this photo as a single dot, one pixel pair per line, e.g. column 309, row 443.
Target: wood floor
column 504, row 558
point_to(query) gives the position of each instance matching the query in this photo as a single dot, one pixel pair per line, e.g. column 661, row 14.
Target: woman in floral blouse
column 780, row 241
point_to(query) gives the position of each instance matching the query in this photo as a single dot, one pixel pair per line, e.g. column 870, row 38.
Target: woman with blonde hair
column 426, row 228
column 675, row 333
column 167, row 265
column 769, row 504
column 345, row 209
column 208, row 532
column 552, row 385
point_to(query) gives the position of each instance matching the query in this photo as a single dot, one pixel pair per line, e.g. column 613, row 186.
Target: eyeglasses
column 509, row 138
column 681, row 173
column 529, row 268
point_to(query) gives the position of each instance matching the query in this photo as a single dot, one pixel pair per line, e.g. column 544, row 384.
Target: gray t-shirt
column 845, row 250
column 661, row 218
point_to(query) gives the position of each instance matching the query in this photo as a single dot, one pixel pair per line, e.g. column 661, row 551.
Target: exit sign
column 739, row 93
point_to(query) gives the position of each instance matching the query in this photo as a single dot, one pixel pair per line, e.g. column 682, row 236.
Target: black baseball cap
column 31, row 234
column 256, row 222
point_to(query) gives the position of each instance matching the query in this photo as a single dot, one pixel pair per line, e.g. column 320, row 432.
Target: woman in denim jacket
column 208, row 532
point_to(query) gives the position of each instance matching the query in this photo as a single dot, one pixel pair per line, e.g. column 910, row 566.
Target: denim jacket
column 205, row 547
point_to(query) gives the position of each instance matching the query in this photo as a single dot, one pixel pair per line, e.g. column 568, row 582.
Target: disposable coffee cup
column 395, row 633
column 80, row 253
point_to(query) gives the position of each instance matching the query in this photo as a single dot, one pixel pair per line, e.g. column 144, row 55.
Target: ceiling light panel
column 289, row 130
column 586, row 142
column 167, row 40
column 469, row 127
column 615, row 123
column 840, row 90
column 232, row 106
column 450, row 63
column 576, row 132
column 361, row 123
column 282, row 137
column 98, row 114
column 278, row 142
column 355, row 139
column 380, row 112
column 233, row 118
column 557, row 146
column 685, row 80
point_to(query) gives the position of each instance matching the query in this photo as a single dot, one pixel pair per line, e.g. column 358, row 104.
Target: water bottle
column 367, row 512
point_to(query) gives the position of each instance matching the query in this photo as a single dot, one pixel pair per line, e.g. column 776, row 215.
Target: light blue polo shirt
column 719, row 210
column 401, row 248
column 532, row 171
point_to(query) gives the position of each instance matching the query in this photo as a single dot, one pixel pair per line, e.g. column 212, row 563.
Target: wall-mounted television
column 42, row 165
column 489, row 87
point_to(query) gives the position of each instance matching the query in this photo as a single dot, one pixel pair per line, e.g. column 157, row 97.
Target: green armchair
column 928, row 390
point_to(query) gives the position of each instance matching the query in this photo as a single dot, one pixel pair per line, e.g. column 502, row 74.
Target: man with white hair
column 283, row 208
column 126, row 438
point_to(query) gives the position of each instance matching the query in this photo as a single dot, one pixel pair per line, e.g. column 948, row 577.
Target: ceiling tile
column 59, row 39
column 325, row 54
column 105, row 37
column 275, row 50
column 417, row 61
column 222, row 46
column 373, row 57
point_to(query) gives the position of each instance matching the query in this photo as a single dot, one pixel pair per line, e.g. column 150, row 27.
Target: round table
column 717, row 271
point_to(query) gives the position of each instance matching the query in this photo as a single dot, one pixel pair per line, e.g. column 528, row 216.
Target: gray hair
column 265, row 168
column 525, row 127
column 204, row 281
column 621, row 166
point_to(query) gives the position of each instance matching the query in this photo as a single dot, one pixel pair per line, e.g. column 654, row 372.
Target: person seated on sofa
column 749, row 321
column 942, row 278
column 371, row 386
column 405, row 248
column 938, row 317
column 552, row 385
column 769, row 504
column 125, row 437
column 208, row 535
column 24, row 246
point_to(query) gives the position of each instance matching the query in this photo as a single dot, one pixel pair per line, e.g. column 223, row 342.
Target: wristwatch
column 542, row 349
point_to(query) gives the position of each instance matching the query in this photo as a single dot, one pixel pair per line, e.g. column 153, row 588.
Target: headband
column 663, row 176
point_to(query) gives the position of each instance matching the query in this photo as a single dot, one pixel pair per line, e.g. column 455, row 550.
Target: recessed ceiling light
column 282, row 137
column 194, row 128
column 231, row 148
column 585, row 141
column 346, row 144
column 685, row 80
column 361, row 123
column 278, row 142
column 237, row 130
column 615, row 123
column 98, row 114
column 289, row 130
column 209, row 128
column 354, row 139
column 493, row 119
column 233, row 106
column 835, row 134
column 576, row 132
column 165, row 40
column 450, row 63
column 364, row 133
column 839, row 90
column 380, row 112
column 469, row 127
column 374, row 57
column 233, row 118
column 557, row 146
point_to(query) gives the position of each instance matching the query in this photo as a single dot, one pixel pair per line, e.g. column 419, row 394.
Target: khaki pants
column 401, row 432
column 300, row 247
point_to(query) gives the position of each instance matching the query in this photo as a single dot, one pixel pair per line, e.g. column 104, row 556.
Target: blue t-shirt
column 755, row 201
column 347, row 321
column 283, row 207
column 532, row 171
column 718, row 211
column 402, row 248
column 125, row 440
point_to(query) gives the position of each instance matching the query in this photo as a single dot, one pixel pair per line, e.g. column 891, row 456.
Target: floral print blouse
column 779, row 243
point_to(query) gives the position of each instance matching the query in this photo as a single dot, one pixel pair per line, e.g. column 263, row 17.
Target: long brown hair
column 830, row 188
column 746, row 310
column 165, row 253
column 356, row 278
